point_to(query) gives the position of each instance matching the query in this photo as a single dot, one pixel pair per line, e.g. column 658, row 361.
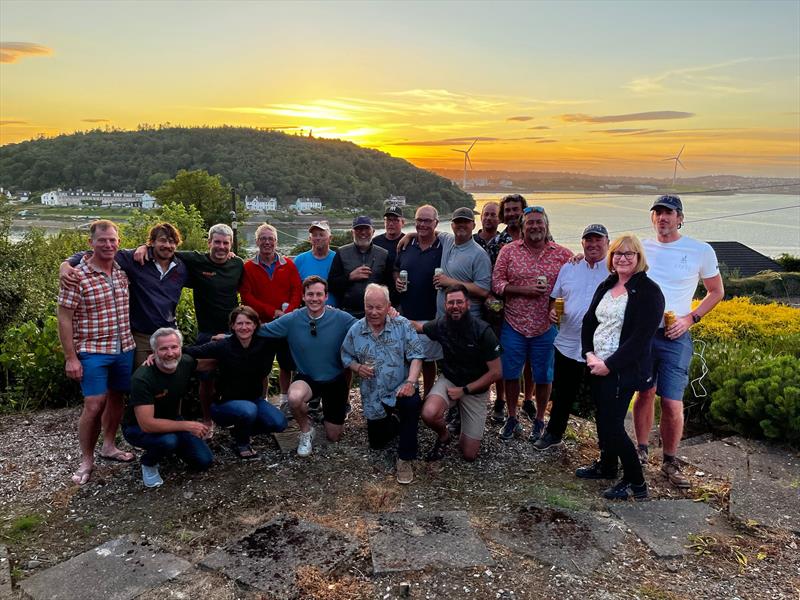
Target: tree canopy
column 342, row 174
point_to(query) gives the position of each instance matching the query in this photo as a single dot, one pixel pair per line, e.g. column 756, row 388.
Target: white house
column 393, row 200
column 110, row 199
column 260, row 203
column 307, row 204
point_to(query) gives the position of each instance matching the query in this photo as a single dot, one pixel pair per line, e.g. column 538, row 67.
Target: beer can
column 438, row 271
column 669, row 319
column 541, row 280
column 403, row 276
column 559, row 306
column 284, row 306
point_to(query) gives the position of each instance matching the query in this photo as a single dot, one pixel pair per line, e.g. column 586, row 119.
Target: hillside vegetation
column 250, row 160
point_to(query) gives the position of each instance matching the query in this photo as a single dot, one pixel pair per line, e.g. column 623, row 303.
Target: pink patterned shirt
column 100, row 323
column 517, row 264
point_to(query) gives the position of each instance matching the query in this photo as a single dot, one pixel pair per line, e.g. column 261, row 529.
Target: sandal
column 81, row 476
column 245, row 452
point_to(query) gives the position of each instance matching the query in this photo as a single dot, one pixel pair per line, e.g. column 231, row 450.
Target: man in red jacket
column 271, row 285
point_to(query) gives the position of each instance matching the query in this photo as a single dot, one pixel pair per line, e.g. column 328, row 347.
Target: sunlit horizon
column 603, row 88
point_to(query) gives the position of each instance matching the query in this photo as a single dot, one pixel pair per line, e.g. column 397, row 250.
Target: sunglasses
column 313, row 326
column 532, row 209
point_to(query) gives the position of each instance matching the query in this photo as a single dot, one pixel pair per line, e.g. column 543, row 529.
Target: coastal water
column 768, row 223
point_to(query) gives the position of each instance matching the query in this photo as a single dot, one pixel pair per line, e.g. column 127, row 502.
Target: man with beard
column 318, row 260
column 511, row 207
column 524, row 275
column 356, row 265
column 393, row 223
column 153, row 418
column 471, row 364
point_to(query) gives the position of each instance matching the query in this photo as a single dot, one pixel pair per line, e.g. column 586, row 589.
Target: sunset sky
column 593, row 87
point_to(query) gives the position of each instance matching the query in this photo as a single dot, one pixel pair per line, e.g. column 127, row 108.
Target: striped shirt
column 100, row 323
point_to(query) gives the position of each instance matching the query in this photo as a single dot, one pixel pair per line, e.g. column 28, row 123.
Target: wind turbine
column 677, row 159
column 466, row 160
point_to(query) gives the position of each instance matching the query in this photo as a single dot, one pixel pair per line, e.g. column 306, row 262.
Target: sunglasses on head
column 531, row 209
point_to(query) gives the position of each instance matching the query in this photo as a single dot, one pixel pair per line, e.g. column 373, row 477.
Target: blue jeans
column 157, row 446
column 248, row 418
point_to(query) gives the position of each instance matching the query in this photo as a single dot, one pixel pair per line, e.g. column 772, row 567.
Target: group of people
column 489, row 307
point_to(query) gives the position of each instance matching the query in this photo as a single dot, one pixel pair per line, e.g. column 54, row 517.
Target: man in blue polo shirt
column 318, row 260
column 315, row 334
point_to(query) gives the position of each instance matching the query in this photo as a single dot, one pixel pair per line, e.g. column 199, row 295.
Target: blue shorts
column 517, row 349
column 103, row 372
column 671, row 360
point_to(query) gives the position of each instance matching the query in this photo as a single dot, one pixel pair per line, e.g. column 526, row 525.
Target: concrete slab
column 719, row 458
column 5, row 575
column 418, row 540
column 572, row 541
column 665, row 525
column 120, row 569
column 770, row 502
column 267, row 558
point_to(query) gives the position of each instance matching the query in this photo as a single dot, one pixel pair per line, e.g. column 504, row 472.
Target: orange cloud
column 11, row 52
column 655, row 115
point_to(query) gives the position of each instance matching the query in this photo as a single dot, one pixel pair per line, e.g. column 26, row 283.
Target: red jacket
column 265, row 294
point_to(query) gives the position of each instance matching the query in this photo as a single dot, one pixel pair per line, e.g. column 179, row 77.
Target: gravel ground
column 44, row 519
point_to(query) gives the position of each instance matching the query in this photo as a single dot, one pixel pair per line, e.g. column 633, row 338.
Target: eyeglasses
column 313, row 326
column 265, row 238
column 532, row 209
column 629, row 255
column 424, row 221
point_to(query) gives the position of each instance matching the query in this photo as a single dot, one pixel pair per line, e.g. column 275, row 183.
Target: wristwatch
column 414, row 384
column 466, row 391
column 696, row 318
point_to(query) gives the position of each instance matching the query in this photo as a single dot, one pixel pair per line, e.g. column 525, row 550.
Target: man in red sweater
column 271, row 285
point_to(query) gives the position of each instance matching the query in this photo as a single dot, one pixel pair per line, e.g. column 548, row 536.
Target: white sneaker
column 304, row 443
column 151, row 477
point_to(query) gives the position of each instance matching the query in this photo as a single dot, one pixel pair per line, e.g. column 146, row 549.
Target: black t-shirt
column 165, row 391
column 241, row 370
column 216, row 289
column 466, row 349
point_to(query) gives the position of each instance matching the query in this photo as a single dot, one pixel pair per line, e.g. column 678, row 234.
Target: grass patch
column 556, row 498
column 21, row 526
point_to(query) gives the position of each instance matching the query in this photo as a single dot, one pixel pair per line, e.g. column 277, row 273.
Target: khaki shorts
column 472, row 408
column 143, row 349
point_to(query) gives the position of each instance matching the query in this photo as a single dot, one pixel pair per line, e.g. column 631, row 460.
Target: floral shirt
column 389, row 352
column 517, row 264
column 493, row 245
column 610, row 313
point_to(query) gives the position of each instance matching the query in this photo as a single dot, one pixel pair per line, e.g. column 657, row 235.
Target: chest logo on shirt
column 161, row 394
column 208, row 273
column 683, row 263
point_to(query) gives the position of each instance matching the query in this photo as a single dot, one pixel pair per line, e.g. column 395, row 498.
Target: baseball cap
column 595, row 229
column 323, row 225
column 362, row 221
column 463, row 213
column 668, row 201
column 395, row 211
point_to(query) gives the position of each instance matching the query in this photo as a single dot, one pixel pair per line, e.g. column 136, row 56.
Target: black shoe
column 547, row 441
column 439, row 450
column 498, row 411
column 622, row 490
column 595, row 471
column 529, row 410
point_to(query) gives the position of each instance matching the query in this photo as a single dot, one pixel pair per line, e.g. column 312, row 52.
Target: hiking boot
column 641, row 451
column 595, row 471
column 622, row 490
column 537, row 431
column 529, row 410
column 304, row 442
column 547, row 441
column 498, row 411
column 439, row 450
column 405, row 471
column 151, row 477
column 676, row 477
column 510, row 429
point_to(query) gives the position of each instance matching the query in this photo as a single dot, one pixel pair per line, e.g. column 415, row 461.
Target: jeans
column 401, row 420
column 568, row 376
column 611, row 402
column 248, row 418
column 192, row 450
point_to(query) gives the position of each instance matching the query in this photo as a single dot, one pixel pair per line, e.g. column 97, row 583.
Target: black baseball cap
column 393, row 211
column 595, row 229
column 668, row 201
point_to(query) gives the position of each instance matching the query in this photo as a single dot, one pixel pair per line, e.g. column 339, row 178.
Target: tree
column 188, row 221
column 207, row 193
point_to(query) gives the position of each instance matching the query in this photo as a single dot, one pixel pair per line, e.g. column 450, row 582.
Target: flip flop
column 119, row 456
column 81, row 476
column 245, row 452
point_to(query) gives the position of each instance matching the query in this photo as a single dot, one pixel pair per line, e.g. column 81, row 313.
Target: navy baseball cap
column 362, row 221
column 668, row 201
column 595, row 229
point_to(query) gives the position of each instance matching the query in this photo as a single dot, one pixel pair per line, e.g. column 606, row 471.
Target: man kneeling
column 153, row 418
column 471, row 364
column 378, row 349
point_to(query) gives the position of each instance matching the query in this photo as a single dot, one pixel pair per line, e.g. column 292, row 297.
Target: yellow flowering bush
column 739, row 319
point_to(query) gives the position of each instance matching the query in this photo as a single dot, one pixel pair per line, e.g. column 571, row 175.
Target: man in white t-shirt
column 677, row 264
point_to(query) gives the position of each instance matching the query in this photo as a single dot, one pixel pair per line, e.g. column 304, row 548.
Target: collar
column 278, row 259
column 436, row 242
column 366, row 329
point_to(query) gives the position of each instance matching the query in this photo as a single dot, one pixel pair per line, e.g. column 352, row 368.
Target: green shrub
column 769, row 283
column 789, row 262
column 760, row 399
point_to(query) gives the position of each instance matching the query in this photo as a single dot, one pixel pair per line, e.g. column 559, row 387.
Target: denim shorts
column 517, row 349
column 671, row 360
column 103, row 372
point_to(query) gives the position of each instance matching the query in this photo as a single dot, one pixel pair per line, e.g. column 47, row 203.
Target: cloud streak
column 656, row 115
column 95, row 120
column 521, row 118
column 11, row 52
column 12, row 122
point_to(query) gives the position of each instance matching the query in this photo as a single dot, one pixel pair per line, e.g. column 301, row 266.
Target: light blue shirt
column 307, row 264
column 390, row 352
column 466, row 262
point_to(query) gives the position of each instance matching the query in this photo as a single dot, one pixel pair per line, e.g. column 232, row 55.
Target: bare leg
column 88, row 432
column 428, row 377
column 333, row 432
column 512, row 395
column 469, row 447
column 433, row 412
column 527, row 375
column 542, row 398
column 112, row 415
column 284, row 379
column 671, row 425
column 299, row 395
column 643, row 415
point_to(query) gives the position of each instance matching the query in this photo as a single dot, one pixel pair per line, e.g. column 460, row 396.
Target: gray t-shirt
column 467, row 262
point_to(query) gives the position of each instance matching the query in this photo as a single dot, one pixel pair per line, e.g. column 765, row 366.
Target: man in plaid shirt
column 95, row 333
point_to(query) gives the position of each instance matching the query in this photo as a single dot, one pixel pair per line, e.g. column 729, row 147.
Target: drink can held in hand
column 559, row 306
column 669, row 319
column 541, row 280
column 402, row 277
column 438, row 271
column 284, row 306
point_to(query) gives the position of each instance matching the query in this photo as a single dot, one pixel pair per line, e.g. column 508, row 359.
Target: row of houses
column 80, row 197
column 269, row 204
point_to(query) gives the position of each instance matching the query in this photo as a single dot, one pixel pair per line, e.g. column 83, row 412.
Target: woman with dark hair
column 244, row 361
column 616, row 336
